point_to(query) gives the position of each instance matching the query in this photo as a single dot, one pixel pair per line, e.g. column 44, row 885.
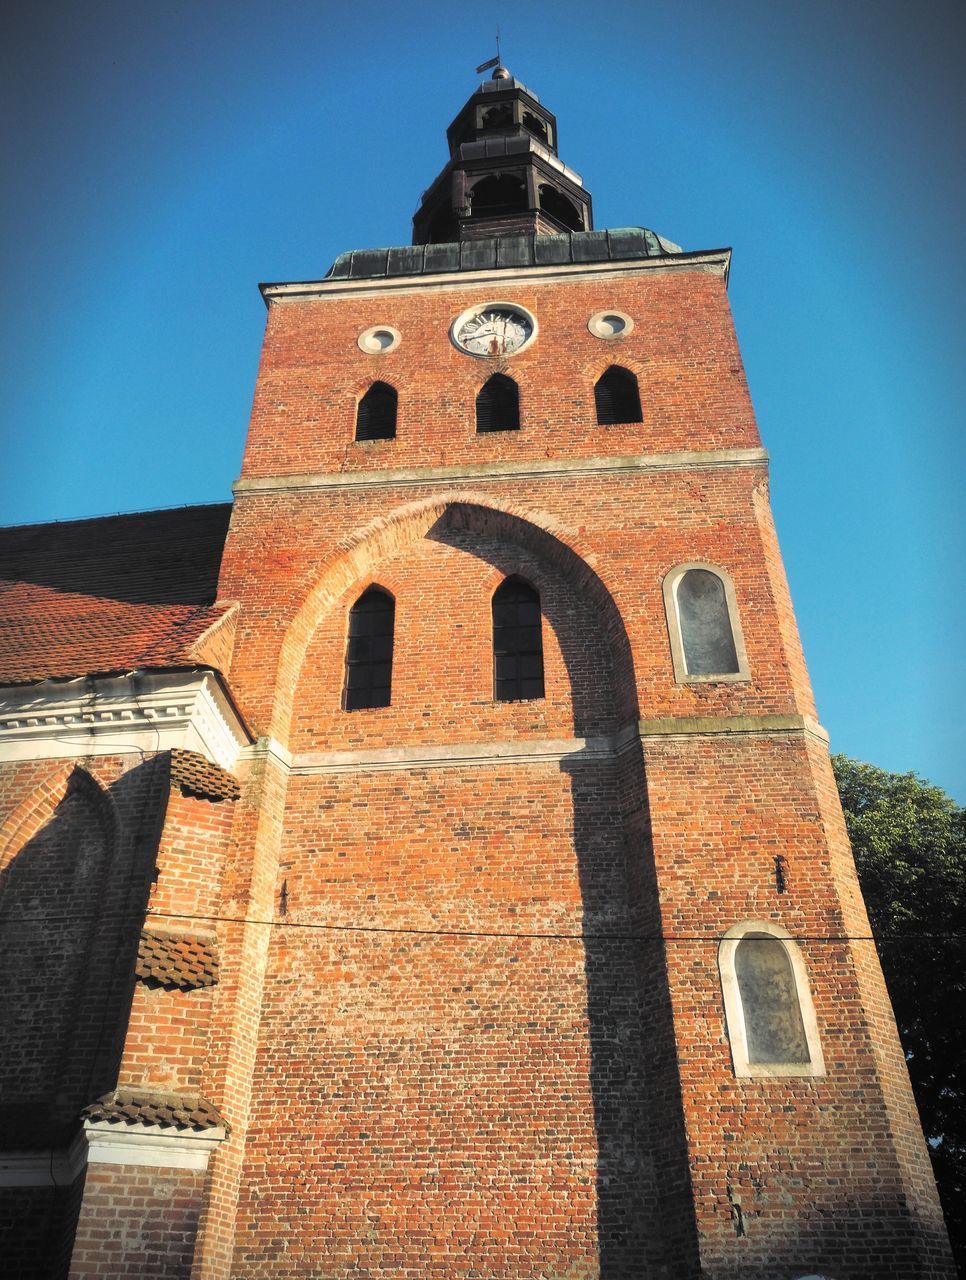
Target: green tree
column 909, row 840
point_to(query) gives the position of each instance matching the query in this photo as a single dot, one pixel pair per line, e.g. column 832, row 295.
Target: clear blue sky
column 160, row 158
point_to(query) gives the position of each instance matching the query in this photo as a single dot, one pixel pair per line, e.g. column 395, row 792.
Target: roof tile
column 115, row 593
column 179, row 961
column 168, row 1110
column 197, row 776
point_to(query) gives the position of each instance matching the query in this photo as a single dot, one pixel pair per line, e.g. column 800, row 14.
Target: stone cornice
column 714, row 261
column 528, row 469
column 459, row 755
column 116, row 715
column 687, row 726
column 156, row 1146
column 531, row 751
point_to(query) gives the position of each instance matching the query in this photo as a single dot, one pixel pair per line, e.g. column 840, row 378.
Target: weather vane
column 493, row 62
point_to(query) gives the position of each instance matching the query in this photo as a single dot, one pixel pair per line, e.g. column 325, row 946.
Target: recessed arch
column 368, row 653
column 617, row 397
column 704, row 627
column 376, row 413
column 560, row 208
column 498, row 405
column 497, row 194
column 391, row 534
column 769, row 1013
column 517, row 641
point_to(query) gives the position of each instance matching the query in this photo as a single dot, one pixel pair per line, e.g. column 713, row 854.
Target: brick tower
column 501, row 919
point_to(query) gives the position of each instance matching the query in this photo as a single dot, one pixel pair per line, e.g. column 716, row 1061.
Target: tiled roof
column 169, row 1110
column 173, row 960
column 197, row 776
column 110, row 594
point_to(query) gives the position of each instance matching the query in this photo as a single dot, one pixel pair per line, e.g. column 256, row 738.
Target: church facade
column 430, row 865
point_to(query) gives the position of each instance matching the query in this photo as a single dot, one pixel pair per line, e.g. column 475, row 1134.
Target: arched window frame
column 382, row 386
column 374, row 588
column 633, row 382
column 499, row 380
column 515, row 579
column 672, row 580
column 735, row 1014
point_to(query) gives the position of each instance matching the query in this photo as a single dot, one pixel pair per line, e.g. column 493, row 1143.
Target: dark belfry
column 503, row 177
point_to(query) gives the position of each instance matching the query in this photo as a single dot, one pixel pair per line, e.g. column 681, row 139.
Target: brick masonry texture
column 468, row 1020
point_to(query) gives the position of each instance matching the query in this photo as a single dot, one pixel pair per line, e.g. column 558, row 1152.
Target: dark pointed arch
column 498, row 194
column 517, row 642
column 498, row 405
column 617, row 397
column 560, row 208
column 376, row 413
column 368, row 654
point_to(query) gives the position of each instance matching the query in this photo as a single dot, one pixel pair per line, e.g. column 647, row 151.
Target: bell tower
column 501, row 920
column 504, row 176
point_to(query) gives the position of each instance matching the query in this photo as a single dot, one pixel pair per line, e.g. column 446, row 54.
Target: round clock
column 494, row 329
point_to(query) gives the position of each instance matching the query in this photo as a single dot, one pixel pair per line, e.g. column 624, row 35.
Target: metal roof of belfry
column 502, row 251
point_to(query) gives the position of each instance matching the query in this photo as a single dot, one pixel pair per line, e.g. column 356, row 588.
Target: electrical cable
column 474, row 933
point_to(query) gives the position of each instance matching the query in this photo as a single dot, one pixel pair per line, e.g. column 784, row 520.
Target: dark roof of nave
column 618, row 244
column 114, row 593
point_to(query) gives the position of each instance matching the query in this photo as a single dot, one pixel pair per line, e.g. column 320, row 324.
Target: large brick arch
column 56, row 861
column 39, row 806
column 540, row 534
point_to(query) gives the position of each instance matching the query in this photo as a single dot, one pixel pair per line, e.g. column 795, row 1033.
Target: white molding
column 50, row 1167
column 113, row 1142
column 702, row 726
column 714, row 261
column 528, row 469
column 672, row 580
column 459, row 755
column 734, row 1012
column 118, row 715
column 269, row 748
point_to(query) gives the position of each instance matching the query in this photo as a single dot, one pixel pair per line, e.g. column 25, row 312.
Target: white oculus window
column 703, row 624
column 768, row 1006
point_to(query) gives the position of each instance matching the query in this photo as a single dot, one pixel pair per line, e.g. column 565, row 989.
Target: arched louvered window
column 376, row 414
column 617, row 397
column 517, row 642
column 368, row 655
column 498, row 405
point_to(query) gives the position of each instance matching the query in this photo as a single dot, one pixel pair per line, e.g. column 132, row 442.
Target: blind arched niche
column 768, row 1006
column 703, row 624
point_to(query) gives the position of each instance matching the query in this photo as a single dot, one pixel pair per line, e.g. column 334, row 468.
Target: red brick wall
column 137, row 1222
column 683, row 349
column 37, row 1230
column 75, row 857
column 455, row 1099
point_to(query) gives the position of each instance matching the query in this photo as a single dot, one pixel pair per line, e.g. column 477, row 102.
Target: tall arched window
column 768, row 1007
column 368, row 655
column 702, row 616
column 617, row 397
column 517, row 642
column 376, row 413
column 498, row 405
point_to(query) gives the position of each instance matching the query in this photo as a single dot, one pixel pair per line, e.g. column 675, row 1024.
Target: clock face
column 495, row 329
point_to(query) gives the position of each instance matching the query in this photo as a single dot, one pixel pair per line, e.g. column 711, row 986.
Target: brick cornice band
column 532, row 751
column 531, row 469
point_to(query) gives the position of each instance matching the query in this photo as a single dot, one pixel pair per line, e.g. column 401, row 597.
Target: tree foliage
column 909, row 841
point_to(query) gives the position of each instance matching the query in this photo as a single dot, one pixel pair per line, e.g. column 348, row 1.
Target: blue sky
column 161, row 158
